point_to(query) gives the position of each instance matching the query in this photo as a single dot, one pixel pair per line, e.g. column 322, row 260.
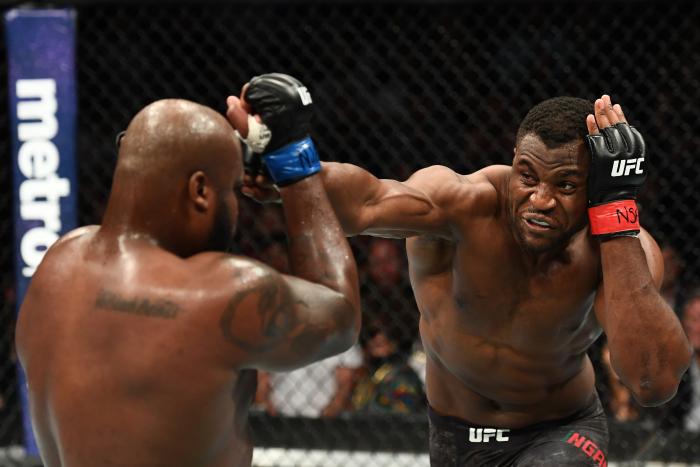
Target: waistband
column 591, row 409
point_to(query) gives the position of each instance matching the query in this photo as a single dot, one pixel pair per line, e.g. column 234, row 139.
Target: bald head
column 178, row 164
column 178, row 135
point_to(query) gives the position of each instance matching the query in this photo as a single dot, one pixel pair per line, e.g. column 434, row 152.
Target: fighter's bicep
column 283, row 322
column 257, row 312
column 401, row 210
column 423, row 204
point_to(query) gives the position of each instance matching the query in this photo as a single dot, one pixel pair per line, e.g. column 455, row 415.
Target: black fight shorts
column 578, row 440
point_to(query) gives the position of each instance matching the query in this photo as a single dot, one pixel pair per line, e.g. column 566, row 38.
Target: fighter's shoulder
column 67, row 244
column 232, row 272
column 75, row 234
column 477, row 190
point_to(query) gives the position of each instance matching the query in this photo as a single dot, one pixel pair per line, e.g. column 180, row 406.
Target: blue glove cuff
column 293, row 162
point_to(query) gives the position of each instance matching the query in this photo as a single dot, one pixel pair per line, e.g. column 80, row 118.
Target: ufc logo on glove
column 616, row 173
column 624, row 167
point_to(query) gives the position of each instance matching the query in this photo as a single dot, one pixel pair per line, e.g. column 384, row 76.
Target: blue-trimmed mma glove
column 618, row 170
column 281, row 145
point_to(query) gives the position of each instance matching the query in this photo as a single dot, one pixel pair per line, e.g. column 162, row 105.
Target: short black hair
column 557, row 121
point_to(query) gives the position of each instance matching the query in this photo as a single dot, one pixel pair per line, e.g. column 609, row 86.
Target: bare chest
column 490, row 291
column 499, row 299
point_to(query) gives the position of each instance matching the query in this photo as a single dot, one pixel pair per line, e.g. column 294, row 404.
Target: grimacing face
column 547, row 193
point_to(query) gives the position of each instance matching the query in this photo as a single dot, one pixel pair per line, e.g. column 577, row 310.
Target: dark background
column 397, row 86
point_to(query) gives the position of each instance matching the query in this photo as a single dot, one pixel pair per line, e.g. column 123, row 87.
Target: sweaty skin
column 140, row 340
column 511, row 286
column 505, row 332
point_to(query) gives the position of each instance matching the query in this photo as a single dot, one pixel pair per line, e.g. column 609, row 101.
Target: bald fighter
column 516, row 270
column 140, row 336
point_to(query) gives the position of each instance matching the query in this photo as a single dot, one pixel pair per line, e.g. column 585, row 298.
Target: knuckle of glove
column 285, row 106
column 639, row 144
column 596, row 144
column 629, row 143
column 613, row 140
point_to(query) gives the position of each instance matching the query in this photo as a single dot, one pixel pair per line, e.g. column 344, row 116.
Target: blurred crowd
column 385, row 371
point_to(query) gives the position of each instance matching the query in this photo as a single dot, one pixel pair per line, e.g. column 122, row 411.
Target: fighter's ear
column 199, row 190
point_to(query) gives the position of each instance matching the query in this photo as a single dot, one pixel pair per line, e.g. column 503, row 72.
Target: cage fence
column 397, row 86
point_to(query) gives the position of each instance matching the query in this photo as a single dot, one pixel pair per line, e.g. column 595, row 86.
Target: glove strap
column 615, row 219
column 293, row 162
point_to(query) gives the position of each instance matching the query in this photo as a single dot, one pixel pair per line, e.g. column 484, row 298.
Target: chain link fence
column 398, row 86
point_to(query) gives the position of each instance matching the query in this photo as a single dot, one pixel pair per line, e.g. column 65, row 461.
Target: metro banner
column 43, row 107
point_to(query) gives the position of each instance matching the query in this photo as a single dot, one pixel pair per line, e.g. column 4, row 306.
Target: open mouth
column 539, row 224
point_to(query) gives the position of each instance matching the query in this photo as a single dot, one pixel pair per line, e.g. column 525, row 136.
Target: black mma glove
column 282, row 141
column 618, row 170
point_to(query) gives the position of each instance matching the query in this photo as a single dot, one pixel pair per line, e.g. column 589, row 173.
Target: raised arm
column 296, row 320
column 428, row 202
column 277, row 322
column 365, row 204
column 648, row 348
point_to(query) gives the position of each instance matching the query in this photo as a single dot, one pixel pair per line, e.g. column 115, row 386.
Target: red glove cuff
column 614, row 217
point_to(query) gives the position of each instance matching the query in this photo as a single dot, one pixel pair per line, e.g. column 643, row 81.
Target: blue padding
column 293, row 162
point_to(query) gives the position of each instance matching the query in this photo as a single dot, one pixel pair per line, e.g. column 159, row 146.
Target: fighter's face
column 547, row 193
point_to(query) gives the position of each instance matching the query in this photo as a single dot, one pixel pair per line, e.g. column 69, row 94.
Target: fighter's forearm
column 318, row 249
column 648, row 348
column 349, row 188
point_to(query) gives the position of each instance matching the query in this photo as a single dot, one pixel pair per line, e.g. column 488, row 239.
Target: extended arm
column 366, row 204
column 315, row 314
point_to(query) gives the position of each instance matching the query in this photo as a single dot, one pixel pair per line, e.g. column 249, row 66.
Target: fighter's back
column 118, row 341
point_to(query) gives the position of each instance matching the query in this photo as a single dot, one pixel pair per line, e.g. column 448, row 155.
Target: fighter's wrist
column 619, row 218
column 293, row 162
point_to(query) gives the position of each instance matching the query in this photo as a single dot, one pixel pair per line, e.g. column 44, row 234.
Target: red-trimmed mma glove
column 281, row 146
column 618, row 170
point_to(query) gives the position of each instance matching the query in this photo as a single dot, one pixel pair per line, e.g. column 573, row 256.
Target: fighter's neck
column 543, row 261
column 127, row 218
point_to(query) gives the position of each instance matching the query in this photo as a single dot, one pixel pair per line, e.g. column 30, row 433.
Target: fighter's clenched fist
column 273, row 118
